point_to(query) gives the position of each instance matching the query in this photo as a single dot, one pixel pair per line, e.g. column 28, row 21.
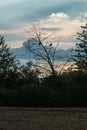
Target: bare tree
column 44, row 50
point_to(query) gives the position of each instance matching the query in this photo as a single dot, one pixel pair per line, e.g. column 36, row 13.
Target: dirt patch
column 43, row 118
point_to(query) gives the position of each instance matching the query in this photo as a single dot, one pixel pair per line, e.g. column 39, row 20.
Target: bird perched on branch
column 51, row 44
column 40, row 43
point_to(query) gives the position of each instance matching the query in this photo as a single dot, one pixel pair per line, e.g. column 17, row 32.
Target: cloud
column 63, row 28
column 15, row 11
column 66, row 26
column 59, row 24
column 51, row 29
column 59, row 16
column 15, row 31
column 23, row 54
column 70, row 7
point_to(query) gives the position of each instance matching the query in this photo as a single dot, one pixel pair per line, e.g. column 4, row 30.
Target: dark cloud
column 51, row 29
column 72, row 8
column 75, row 8
column 29, row 11
column 23, row 54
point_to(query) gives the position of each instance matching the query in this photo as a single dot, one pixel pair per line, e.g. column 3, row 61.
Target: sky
column 62, row 18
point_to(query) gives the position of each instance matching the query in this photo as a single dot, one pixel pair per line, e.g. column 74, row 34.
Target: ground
column 43, row 118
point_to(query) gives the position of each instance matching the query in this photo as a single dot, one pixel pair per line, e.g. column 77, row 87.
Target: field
column 43, row 118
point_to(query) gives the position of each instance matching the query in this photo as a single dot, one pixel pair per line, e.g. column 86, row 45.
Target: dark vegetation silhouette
column 24, row 85
column 80, row 57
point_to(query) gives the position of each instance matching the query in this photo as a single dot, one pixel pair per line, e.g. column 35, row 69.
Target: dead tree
column 44, row 49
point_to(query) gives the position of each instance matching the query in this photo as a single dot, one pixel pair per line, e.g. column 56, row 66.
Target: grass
column 43, row 118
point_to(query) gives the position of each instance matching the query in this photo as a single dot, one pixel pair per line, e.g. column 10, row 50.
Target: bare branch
column 44, row 49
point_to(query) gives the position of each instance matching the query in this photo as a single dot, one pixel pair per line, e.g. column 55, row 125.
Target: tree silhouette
column 44, row 50
column 80, row 57
column 8, row 62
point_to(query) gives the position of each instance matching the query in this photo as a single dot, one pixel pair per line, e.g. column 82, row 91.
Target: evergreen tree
column 8, row 62
column 80, row 57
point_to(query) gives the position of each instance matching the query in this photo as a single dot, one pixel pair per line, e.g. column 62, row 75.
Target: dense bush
column 65, row 90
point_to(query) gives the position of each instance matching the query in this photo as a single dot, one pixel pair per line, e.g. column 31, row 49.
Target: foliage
column 80, row 57
column 65, row 90
column 8, row 62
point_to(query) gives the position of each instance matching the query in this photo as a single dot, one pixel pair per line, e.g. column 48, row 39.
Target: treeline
column 24, row 85
column 67, row 89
